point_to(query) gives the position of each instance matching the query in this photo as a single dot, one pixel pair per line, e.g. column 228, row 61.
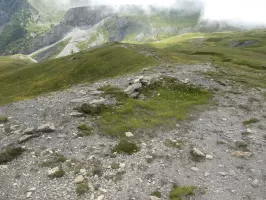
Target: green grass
column 181, row 193
column 126, row 147
column 166, row 101
column 59, row 174
column 54, row 160
column 3, row 119
column 156, row 194
column 32, row 80
column 251, row 121
column 82, row 188
column 245, row 65
column 9, row 154
column 84, row 130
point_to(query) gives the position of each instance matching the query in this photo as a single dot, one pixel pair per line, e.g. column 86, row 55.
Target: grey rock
column 255, row 183
column 133, row 88
column 25, row 138
column 195, row 169
column 29, row 131
column 76, row 114
column 46, row 128
column 223, row 173
column 197, row 152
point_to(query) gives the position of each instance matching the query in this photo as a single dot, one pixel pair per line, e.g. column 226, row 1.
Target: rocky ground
column 232, row 155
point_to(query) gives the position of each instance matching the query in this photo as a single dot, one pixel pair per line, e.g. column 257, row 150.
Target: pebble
column 255, row 183
column 223, row 173
column 79, row 179
column 209, row 157
column 28, row 195
column 194, row 169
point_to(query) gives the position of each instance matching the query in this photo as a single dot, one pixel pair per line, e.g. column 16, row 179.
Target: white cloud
column 237, row 12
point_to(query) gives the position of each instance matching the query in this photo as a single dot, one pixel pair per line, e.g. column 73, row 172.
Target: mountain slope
column 108, row 61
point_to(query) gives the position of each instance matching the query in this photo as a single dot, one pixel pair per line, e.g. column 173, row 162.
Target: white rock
column 122, row 165
column 28, row 195
column 83, row 171
column 209, row 157
column 29, row 131
column 103, row 190
column 98, row 101
column 79, row 179
column 53, row 171
column 206, row 174
column 194, row 169
column 132, row 88
column 3, row 167
column 154, row 198
column 76, row 114
column 129, row 134
column 32, row 189
column 101, row 197
column 198, row 152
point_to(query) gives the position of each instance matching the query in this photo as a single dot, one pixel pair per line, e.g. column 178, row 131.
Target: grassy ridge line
column 246, row 65
column 108, row 61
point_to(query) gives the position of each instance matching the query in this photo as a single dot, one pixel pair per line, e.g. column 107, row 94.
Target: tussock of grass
column 126, row 147
column 58, row 174
column 156, row 194
column 3, row 119
column 251, row 121
column 243, row 146
column 54, row 160
column 165, row 102
column 179, row 193
column 84, row 130
column 10, row 153
column 82, row 188
column 92, row 109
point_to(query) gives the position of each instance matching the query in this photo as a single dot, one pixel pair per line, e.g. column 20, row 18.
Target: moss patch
column 126, row 147
column 53, row 160
column 3, row 119
column 10, row 154
column 179, row 193
column 92, row 109
column 84, row 130
column 251, row 121
column 156, row 194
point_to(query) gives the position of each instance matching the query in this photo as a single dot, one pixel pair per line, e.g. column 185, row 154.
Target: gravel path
column 226, row 173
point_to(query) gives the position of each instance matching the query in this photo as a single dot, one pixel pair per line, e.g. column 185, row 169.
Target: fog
column 241, row 13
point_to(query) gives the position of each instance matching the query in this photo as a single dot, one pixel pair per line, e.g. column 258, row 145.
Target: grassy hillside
column 240, row 55
column 10, row 64
column 108, row 61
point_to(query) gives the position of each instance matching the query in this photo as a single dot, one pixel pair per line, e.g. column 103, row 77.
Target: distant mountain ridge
column 45, row 31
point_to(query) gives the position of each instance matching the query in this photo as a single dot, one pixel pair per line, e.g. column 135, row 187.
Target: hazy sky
column 248, row 12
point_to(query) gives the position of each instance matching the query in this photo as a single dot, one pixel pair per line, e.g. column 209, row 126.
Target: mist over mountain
column 45, row 27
